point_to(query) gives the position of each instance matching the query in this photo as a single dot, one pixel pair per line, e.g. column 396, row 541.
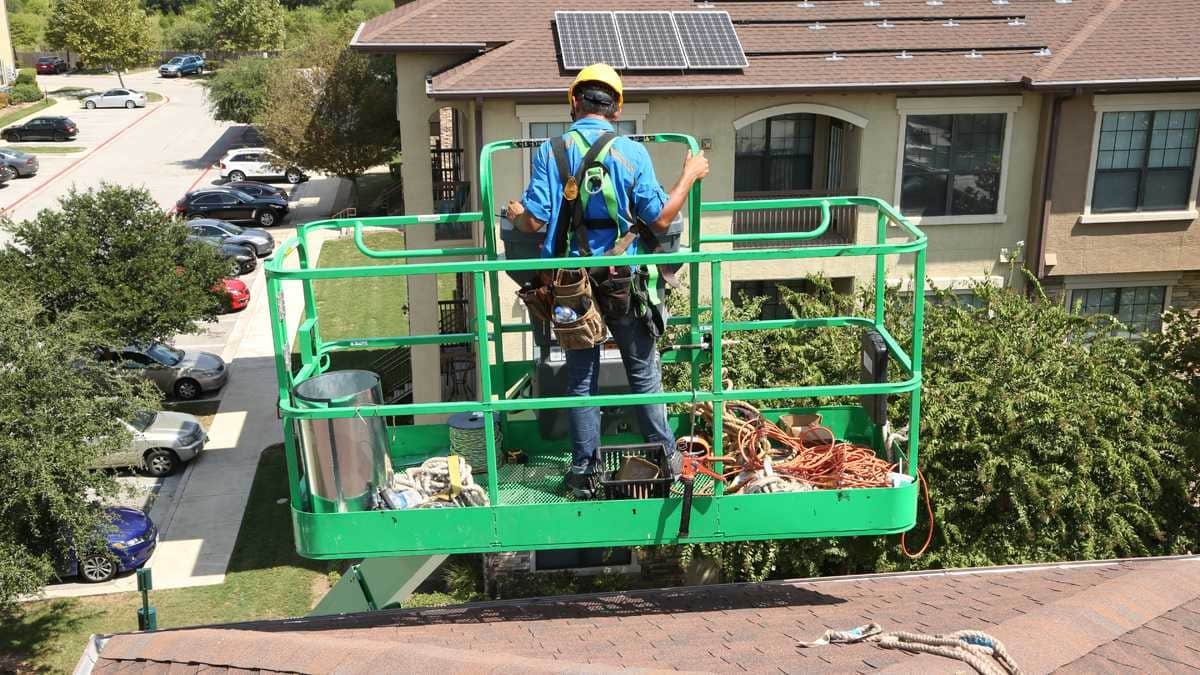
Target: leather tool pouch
column 615, row 293
column 539, row 300
column 573, row 289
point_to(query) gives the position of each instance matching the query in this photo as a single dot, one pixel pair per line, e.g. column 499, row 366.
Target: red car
column 237, row 295
column 50, row 65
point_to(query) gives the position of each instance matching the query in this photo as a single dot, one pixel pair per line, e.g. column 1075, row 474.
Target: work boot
column 579, row 485
column 674, row 463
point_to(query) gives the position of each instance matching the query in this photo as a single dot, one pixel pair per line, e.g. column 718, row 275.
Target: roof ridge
column 1081, row 36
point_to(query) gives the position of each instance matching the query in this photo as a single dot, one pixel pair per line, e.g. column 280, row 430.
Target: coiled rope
column 977, row 649
column 441, row 483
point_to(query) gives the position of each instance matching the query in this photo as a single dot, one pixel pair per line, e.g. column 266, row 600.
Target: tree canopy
column 238, row 92
column 332, row 110
column 247, row 25
column 115, row 33
column 110, row 256
column 58, row 415
column 1042, row 437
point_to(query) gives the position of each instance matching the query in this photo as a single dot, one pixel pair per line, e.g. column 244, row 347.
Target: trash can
column 345, row 459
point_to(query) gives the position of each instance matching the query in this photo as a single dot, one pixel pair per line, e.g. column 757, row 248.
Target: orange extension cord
column 816, row 457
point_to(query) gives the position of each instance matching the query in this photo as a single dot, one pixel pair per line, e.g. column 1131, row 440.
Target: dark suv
column 51, row 65
column 42, row 129
column 233, row 205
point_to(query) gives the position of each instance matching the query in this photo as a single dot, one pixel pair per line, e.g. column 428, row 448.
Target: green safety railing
column 703, row 251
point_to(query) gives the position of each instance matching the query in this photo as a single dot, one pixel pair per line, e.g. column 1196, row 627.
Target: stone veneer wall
column 1186, row 293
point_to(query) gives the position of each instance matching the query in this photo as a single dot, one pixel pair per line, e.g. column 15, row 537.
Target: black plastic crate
column 610, row 460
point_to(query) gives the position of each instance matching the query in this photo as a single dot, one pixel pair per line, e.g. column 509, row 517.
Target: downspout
column 1048, row 184
column 478, row 148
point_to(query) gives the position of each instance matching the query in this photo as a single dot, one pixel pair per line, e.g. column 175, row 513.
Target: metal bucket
column 345, row 459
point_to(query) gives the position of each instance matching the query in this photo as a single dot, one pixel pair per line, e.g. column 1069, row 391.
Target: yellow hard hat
column 602, row 73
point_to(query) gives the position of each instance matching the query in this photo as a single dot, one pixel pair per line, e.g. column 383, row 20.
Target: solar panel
column 585, row 38
column 649, row 40
column 709, row 40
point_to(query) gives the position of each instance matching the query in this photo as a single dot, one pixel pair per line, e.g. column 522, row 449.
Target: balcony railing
column 844, row 219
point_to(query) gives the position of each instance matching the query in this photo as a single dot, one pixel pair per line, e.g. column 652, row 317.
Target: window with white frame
column 952, row 163
column 1145, row 160
column 1140, row 308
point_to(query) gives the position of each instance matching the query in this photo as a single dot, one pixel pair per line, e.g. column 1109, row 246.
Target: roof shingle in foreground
column 1120, row 616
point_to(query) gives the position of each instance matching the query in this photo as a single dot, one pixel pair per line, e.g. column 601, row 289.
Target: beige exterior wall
column 957, row 251
column 1125, row 249
column 1121, row 247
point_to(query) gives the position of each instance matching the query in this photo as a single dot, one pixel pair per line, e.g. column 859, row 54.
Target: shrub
column 3, row 99
column 26, row 93
column 1042, row 437
column 26, row 76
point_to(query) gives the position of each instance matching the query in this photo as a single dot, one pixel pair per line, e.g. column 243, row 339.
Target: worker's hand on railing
column 514, row 210
column 695, row 167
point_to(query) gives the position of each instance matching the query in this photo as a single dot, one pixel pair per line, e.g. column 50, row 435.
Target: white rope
column 765, row 480
column 431, row 481
column 984, row 653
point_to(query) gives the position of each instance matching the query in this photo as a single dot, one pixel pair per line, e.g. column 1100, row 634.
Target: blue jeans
column 644, row 370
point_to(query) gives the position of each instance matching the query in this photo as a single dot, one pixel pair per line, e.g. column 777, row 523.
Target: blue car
column 130, row 545
column 182, row 65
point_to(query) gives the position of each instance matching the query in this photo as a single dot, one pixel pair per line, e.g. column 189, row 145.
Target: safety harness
column 590, row 179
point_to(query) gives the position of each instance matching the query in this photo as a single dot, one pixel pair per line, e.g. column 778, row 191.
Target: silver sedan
column 115, row 98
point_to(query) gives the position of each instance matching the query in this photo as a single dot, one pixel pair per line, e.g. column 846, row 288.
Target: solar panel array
column 649, row 40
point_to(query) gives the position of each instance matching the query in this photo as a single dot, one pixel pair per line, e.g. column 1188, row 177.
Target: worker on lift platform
column 595, row 193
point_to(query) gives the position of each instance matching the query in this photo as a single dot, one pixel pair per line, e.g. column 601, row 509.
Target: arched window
column 775, row 154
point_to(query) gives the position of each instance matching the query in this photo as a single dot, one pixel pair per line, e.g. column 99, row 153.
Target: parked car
column 42, row 129
column 162, row 442
column 186, row 374
column 51, row 65
column 116, row 98
column 260, row 241
column 233, row 205
column 182, row 65
column 237, row 295
column 256, row 189
column 243, row 163
column 130, row 545
column 23, row 163
column 243, row 257
column 7, row 173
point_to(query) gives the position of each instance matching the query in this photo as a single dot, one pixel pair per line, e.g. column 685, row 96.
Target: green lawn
column 266, row 580
column 14, row 115
column 51, row 149
column 153, row 96
column 370, row 307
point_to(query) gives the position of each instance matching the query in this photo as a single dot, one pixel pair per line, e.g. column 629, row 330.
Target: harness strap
column 571, row 213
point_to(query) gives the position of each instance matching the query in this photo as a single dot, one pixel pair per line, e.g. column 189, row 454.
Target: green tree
column 111, row 257
column 113, row 33
column 51, row 433
column 238, row 92
column 247, row 25
column 1042, row 437
column 27, row 30
column 187, row 34
column 332, row 109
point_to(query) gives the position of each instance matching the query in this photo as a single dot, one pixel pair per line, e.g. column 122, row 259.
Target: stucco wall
column 1105, row 248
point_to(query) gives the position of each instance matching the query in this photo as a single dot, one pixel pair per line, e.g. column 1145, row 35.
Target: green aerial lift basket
column 528, row 509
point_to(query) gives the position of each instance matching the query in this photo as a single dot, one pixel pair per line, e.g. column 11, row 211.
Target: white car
column 115, row 98
column 243, row 163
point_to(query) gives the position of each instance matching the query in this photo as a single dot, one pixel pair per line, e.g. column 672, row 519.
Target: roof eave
column 432, row 90
column 357, row 44
column 1130, row 83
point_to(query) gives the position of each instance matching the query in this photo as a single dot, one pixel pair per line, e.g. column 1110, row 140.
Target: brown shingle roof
column 1139, row 616
column 1088, row 40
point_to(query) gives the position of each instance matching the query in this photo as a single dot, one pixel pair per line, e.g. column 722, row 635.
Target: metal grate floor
column 540, row 481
